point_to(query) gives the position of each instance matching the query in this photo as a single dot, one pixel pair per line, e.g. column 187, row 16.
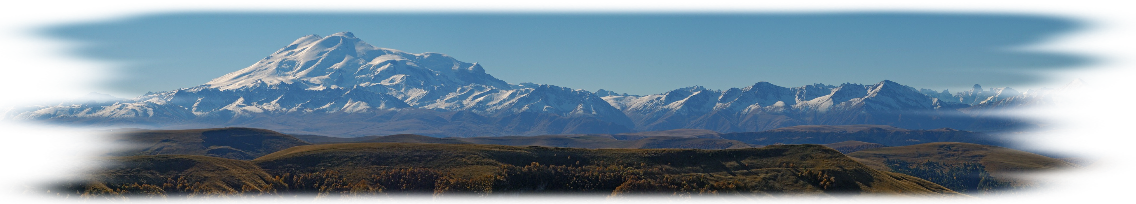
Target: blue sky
column 640, row 53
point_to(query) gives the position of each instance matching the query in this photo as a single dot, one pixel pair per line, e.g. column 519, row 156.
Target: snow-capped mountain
column 341, row 74
column 977, row 95
column 366, row 77
column 340, row 85
column 766, row 106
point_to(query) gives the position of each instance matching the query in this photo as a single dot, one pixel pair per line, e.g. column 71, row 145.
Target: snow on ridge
column 341, row 73
column 764, row 96
column 339, row 61
column 355, row 106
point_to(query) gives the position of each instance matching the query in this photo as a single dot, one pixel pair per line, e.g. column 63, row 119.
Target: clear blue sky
column 644, row 53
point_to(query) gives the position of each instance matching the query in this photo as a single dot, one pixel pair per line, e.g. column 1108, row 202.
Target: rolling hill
column 774, row 169
column 159, row 175
column 852, row 146
column 879, row 134
column 606, row 141
column 440, row 169
column 471, row 162
column 574, row 141
column 232, row 143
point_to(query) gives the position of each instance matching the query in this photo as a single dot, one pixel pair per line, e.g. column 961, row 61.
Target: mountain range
column 340, row 85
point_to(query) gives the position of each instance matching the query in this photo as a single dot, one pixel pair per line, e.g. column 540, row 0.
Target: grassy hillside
column 320, row 139
column 853, row 146
column 988, row 168
column 403, row 172
column 159, row 175
column 233, row 143
column 496, row 168
column 573, row 141
column 604, row 141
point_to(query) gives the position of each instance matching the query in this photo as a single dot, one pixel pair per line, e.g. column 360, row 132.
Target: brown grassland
column 438, row 169
column 233, row 143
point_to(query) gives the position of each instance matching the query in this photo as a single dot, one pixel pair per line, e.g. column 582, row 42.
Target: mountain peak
column 603, row 93
column 764, row 84
column 344, row 34
column 694, row 88
column 889, row 84
column 343, row 60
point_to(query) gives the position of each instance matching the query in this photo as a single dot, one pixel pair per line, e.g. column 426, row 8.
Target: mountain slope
column 343, row 76
column 158, row 175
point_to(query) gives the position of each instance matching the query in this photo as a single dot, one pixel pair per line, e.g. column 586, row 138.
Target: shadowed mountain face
column 395, row 168
column 340, row 85
column 963, row 167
